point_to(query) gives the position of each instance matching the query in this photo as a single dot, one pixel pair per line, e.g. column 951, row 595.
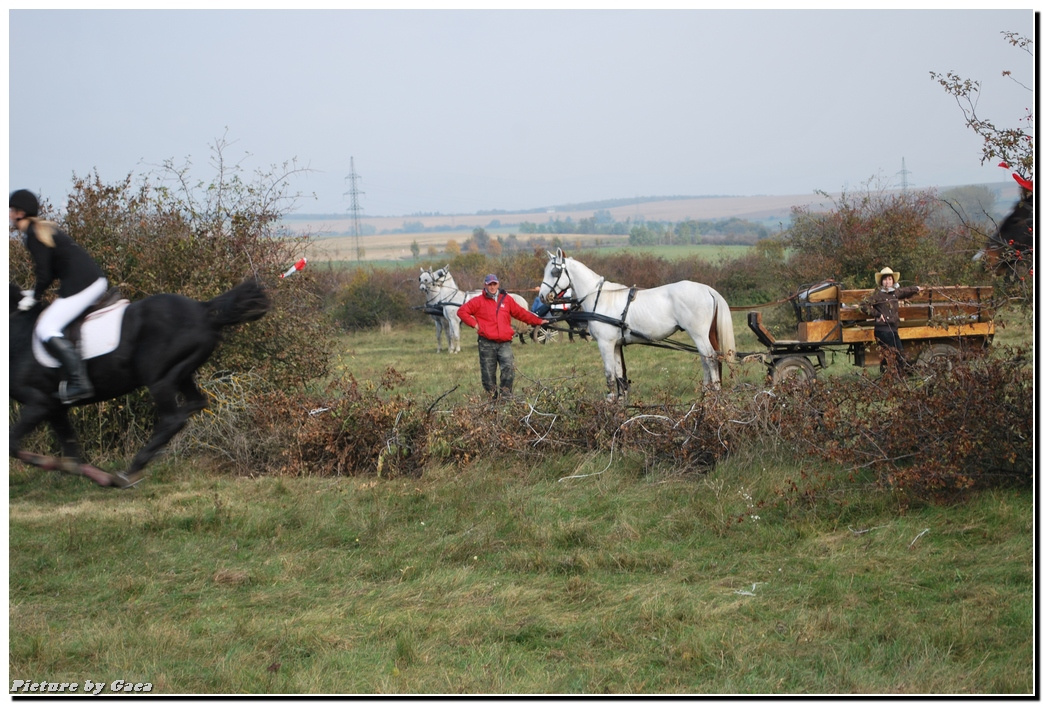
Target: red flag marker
column 1022, row 181
column 297, row 266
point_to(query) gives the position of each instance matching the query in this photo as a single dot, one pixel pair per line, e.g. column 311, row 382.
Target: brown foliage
column 937, row 431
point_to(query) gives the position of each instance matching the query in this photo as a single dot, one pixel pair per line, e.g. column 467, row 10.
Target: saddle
column 74, row 330
column 95, row 332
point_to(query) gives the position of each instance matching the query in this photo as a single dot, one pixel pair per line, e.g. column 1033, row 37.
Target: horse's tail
column 725, row 329
column 247, row 301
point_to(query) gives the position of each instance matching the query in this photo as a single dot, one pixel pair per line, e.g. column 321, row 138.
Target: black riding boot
column 75, row 386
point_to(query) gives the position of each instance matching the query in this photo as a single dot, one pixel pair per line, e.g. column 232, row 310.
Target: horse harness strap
column 626, row 309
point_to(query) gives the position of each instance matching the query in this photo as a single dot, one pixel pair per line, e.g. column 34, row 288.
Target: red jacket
column 492, row 318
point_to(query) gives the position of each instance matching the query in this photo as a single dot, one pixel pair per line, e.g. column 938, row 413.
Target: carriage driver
column 882, row 304
column 490, row 314
column 82, row 283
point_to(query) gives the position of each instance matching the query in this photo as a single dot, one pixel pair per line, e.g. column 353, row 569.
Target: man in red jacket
column 490, row 314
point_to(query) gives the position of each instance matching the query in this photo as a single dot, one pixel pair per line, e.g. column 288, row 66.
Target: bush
column 864, row 233
column 367, row 297
column 935, row 433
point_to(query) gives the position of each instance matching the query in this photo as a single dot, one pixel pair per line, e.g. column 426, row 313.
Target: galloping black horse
column 164, row 339
column 1012, row 244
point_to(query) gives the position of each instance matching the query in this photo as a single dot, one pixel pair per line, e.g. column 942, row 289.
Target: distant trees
column 688, row 231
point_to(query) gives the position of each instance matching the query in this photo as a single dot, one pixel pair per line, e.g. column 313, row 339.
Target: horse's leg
column 613, row 367
column 454, row 332
column 30, row 417
column 169, row 420
column 194, row 399
column 622, row 382
column 708, row 357
column 71, row 461
column 438, row 335
column 63, row 431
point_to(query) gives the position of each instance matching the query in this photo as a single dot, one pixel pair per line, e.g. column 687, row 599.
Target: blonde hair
column 45, row 230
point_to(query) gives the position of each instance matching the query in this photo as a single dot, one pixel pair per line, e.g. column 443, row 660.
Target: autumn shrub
column 349, row 428
column 862, row 233
column 367, row 297
column 932, row 433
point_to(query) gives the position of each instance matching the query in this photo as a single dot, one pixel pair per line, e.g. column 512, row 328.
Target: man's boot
column 75, row 386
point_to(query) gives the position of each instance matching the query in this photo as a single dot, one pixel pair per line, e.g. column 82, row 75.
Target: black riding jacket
column 56, row 256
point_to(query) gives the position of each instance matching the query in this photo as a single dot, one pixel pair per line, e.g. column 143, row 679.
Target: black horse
column 164, row 339
column 1011, row 246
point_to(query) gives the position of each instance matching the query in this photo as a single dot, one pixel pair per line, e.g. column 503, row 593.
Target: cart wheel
column 795, row 369
column 939, row 356
column 543, row 335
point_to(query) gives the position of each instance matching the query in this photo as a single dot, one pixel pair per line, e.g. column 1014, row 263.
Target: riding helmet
column 25, row 200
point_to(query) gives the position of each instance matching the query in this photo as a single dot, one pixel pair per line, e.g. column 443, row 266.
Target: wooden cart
column 941, row 321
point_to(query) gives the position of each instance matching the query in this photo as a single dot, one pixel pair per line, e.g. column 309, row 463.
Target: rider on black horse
column 56, row 256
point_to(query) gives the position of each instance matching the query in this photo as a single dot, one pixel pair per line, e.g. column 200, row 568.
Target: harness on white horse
column 592, row 315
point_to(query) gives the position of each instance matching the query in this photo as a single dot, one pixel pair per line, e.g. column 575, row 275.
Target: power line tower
column 904, row 174
column 353, row 191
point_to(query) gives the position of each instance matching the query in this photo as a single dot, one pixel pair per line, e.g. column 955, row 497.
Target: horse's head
column 556, row 278
column 16, row 298
column 426, row 280
column 1013, row 241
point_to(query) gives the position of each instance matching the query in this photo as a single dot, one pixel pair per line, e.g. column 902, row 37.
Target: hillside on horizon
column 769, row 210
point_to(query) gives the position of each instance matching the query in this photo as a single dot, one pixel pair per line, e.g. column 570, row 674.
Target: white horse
column 441, row 291
column 620, row 315
column 435, row 310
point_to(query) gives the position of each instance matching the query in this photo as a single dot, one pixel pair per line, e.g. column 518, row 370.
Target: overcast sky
column 459, row 111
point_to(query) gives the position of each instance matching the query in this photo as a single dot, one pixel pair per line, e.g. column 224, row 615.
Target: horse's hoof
column 125, row 480
column 98, row 476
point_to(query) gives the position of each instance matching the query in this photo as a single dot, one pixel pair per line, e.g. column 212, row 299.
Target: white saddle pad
column 99, row 334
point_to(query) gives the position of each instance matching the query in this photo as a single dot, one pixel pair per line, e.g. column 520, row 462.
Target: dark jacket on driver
column 883, row 305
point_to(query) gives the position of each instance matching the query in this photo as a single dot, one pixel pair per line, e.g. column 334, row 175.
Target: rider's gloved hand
column 28, row 300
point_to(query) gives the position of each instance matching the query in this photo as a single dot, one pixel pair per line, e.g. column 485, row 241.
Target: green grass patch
column 505, row 577
column 502, row 579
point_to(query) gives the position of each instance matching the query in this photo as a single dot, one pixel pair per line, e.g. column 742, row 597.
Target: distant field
column 396, row 248
column 709, row 208
column 334, row 239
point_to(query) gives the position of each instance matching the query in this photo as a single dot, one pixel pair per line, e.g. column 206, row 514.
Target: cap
column 491, row 279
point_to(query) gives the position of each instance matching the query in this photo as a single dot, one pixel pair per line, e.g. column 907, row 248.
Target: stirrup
column 65, row 397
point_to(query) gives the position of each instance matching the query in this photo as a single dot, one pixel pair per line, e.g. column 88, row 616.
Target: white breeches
column 64, row 310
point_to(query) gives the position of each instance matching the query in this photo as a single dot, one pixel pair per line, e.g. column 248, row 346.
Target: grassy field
column 500, row 577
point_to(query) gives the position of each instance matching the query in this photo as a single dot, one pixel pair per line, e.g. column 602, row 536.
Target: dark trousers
column 891, row 345
column 491, row 354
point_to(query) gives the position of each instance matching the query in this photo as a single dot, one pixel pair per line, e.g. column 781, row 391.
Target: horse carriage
column 938, row 323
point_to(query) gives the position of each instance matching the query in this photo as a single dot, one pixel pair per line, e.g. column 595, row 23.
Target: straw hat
column 884, row 272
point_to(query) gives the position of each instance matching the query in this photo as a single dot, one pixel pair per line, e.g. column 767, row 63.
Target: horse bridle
column 442, row 274
column 555, row 290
